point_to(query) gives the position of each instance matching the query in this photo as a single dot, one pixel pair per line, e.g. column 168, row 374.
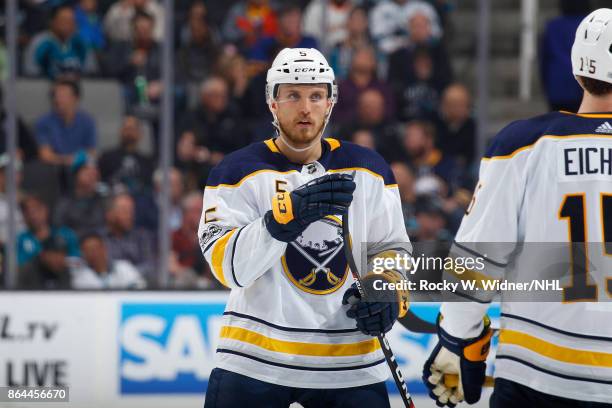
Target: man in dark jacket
column 215, row 123
column 49, row 270
column 137, row 63
column 124, row 164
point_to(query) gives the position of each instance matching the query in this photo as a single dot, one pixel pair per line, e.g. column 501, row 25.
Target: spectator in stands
column 255, row 109
column 125, row 164
column 99, row 271
column 362, row 76
column 185, row 238
column 60, row 50
column 428, row 161
column 418, row 94
column 430, row 221
column 89, row 25
column 428, row 233
column 83, row 209
column 27, row 149
column 363, row 138
column 233, row 68
column 193, row 161
column 126, row 241
column 358, row 37
column 49, row 269
column 183, row 277
column 177, row 189
column 4, row 203
column 118, row 20
column 215, row 123
column 371, row 117
column 437, row 173
column 455, row 127
column 137, row 62
column 148, row 204
column 196, row 10
column 405, row 178
column 388, row 22
column 29, row 242
column 562, row 90
column 248, row 21
column 422, row 37
column 66, row 131
column 289, row 35
column 200, row 49
column 325, row 20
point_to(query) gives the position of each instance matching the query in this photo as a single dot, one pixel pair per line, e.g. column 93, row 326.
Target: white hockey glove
column 462, row 357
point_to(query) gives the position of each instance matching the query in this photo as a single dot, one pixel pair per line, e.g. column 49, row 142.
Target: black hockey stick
column 384, row 343
column 415, row 324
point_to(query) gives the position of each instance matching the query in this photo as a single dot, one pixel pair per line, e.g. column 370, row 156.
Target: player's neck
column 302, row 156
column 593, row 104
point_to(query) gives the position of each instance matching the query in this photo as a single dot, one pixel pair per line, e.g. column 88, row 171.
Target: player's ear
column 273, row 105
column 329, row 106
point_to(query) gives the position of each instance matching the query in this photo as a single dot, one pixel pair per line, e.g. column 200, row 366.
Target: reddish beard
column 296, row 138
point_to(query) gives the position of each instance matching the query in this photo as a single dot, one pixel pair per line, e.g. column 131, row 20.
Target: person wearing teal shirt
column 29, row 242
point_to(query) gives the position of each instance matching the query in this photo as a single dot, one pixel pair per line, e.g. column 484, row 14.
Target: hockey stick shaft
column 384, row 344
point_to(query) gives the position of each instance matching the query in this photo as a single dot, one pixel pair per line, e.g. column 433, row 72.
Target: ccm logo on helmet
column 305, row 70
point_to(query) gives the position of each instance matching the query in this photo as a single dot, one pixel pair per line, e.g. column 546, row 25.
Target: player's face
column 301, row 111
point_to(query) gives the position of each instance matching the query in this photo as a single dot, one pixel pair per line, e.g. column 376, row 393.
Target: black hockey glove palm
column 462, row 357
column 292, row 212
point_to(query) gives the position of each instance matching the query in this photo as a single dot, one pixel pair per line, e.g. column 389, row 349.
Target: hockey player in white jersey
column 543, row 180
column 271, row 230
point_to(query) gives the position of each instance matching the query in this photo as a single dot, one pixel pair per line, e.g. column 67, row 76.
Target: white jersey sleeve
column 385, row 236
column 489, row 230
column 232, row 233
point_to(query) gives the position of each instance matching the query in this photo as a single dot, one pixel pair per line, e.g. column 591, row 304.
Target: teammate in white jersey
column 271, row 230
column 544, row 180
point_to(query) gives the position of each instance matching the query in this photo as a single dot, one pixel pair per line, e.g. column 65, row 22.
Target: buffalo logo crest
column 315, row 261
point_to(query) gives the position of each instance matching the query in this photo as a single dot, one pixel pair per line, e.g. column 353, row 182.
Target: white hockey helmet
column 300, row 66
column 592, row 49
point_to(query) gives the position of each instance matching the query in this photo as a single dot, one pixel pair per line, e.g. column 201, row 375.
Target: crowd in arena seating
column 88, row 218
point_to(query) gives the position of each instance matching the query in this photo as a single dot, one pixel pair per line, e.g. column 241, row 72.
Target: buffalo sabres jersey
column 545, row 190
column 284, row 322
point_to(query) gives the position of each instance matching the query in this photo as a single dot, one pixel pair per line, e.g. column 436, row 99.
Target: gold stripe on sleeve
column 218, row 256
